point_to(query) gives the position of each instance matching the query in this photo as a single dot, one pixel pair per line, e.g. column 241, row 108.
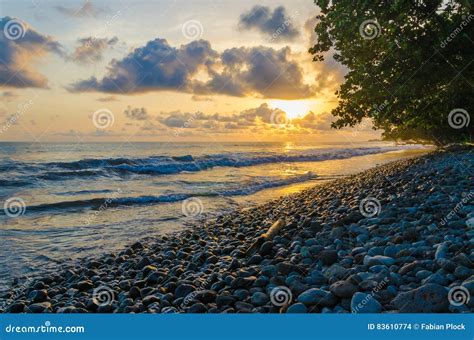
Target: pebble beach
column 397, row 238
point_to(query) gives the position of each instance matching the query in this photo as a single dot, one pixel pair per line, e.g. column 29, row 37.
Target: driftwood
column 268, row 236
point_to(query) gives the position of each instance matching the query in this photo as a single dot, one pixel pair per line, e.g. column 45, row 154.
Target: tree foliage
column 410, row 64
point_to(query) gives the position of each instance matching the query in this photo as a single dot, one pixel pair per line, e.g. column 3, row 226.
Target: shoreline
column 328, row 258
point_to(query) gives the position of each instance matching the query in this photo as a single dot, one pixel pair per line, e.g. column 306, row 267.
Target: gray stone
column 429, row 298
column 315, row 296
column 365, row 303
column 85, row 285
column 378, row 260
column 328, row 257
column 183, row 290
column 297, row 308
column 343, row 289
column 259, row 298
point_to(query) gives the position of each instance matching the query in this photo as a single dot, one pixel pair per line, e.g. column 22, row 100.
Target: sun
column 293, row 108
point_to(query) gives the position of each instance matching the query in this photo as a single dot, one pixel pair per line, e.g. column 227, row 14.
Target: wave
column 237, row 189
column 163, row 165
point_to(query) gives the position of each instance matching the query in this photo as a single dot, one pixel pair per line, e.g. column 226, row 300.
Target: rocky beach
column 394, row 239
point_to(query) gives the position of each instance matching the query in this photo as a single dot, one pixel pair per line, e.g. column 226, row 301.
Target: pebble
column 429, row 298
column 343, row 289
column 297, row 308
column 329, row 257
column 365, row 303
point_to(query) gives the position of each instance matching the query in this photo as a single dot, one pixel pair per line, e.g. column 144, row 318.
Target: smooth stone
column 423, row 274
column 391, row 251
column 84, row 286
column 378, row 260
column 259, row 299
column 150, row 299
column 429, row 298
column 436, row 278
column 335, row 271
column 16, row 307
column 66, row 310
column 365, row 303
column 183, row 290
column 134, row 292
column 39, row 295
column 266, row 248
column 441, row 251
column 343, row 289
column 316, row 278
column 206, row 296
column 286, row 267
column 40, row 307
column 241, row 294
column 169, row 310
column 328, row 257
column 269, row 270
column 297, row 308
column 315, row 296
column 224, row 300
column 462, row 272
column 244, row 306
column 197, row 308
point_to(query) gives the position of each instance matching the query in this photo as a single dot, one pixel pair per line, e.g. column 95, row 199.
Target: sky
column 159, row 70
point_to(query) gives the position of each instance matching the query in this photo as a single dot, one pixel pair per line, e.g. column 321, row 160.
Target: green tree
column 410, row 65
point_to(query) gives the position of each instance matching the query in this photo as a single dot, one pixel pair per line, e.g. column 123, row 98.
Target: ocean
column 64, row 201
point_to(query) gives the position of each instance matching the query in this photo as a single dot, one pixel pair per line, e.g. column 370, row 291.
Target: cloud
column 90, row 50
column 86, row 10
column 312, row 121
column 277, row 25
column 8, row 95
column 256, row 72
column 18, row 53
column 136, row 113
column 156, row 66
column 253, row 117
column 107, row 99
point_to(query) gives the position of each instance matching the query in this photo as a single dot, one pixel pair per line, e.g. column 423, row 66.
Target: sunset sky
column 161, row 70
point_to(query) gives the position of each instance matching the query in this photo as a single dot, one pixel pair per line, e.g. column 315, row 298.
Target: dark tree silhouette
column 410, row 62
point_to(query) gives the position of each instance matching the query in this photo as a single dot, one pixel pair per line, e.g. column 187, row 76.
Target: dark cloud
column 276, row 24
column 199, row 120
column 8, row 95
column 136, row 113
column 17, row 54
column 86, row 10
column 90, row 50
column 156, row 66
column 258, row 71
column 312, row 121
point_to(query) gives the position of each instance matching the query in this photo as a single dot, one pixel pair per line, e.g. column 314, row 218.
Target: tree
column 410, row 65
